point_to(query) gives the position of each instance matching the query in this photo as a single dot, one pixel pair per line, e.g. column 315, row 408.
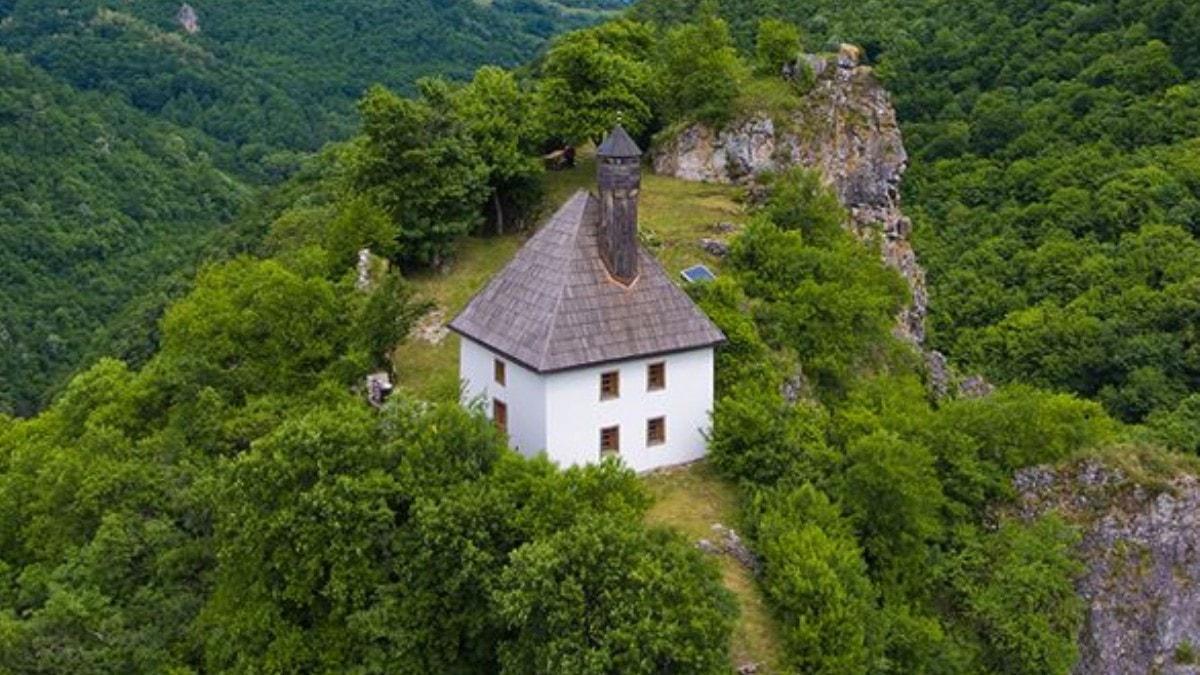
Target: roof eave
column 542, row 370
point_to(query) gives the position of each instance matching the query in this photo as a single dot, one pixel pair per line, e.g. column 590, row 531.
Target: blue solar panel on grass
column 698, row 273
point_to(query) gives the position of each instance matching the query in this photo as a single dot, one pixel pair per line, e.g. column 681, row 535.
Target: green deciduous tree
column 698, row 71
column 815, row 577
column 594, row 78
column 894, row 499
column 252, row 327
column 501, row 119
column 607, row 597
column 778, row 43
column 1017, row 587
column 761, row 439
column 417, row 160
column 800, row 200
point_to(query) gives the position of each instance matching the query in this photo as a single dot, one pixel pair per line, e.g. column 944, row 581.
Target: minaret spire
column 619, row 176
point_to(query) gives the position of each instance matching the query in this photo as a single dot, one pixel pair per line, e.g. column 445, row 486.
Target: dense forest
column 1055, row 183
column 129, row 143
column 230, row 503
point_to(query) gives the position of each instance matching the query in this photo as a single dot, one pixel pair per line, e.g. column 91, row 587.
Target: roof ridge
column 562, row 288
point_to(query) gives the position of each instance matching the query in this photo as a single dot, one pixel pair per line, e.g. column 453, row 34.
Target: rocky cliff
column 845, row 128
column 1141, row 546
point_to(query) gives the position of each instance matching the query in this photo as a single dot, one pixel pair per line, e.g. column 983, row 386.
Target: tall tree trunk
column 499, row 212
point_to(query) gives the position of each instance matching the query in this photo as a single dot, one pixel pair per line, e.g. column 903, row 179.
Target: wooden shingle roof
column 618, row 144
column 554, row 306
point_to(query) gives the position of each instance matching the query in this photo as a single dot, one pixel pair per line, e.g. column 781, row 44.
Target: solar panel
column 697, row 273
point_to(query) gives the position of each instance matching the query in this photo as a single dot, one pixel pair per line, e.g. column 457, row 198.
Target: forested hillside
column 276, row 74
column 97, row 202
column 1054, row 182
column 128, row 137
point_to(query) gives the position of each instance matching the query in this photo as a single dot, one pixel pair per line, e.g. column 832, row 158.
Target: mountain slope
column 97, row 201
column 283, row 73
column 128, row 135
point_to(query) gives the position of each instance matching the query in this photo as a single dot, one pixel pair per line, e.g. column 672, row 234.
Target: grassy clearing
column 676, row 213
column 692, row 499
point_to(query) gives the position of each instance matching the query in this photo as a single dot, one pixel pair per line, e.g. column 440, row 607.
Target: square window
column 656, row 431
column 610, row 385
column 499, row 372
column 610, row 441
column 500, row 414
column 656, row 376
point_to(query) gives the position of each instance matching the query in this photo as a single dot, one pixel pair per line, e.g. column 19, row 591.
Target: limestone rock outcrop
column 845, row 128
column 187, row 19
column 1141, row 548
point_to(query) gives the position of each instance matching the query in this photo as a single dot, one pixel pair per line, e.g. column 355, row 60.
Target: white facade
column 563, row 413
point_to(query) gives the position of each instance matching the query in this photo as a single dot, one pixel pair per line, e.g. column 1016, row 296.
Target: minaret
column 619, row 175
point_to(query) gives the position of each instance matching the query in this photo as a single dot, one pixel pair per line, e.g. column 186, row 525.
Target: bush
column 1017, row 587
column 608, row 597
column 815, row 579
column 778, row 44
column 699, row 72
column 760, row 439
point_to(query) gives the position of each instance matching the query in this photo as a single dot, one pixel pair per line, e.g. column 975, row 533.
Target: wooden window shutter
column 656, row 376
column 500, row 414
column 610, row 441
column 656, row 431
column 610, row 384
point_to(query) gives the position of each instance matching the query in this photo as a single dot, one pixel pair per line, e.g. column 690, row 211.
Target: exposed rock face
column 187, row 19
column 846, row 129
column 729, row 543
column 1142, row 551
column 714, row 247
column 431, row 328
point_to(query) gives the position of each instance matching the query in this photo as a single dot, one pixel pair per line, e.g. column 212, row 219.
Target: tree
column 760, row 439
column 303, row 532
column 252, row 327
column 386, row 316
column 778, row 44
column 744, row 357
column 605, row 596
column 1179, row 428
column 699, row 73
column 814, row 576
column 1017, row 588
column 501, row 120
column 800, row 200
column 594, row 78
column 829, row 304
column 460, row 542
column 894, row 499
column 417, row 160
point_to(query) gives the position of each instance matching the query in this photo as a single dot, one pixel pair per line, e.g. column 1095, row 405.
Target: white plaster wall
column 575, row 414
column 524, row 393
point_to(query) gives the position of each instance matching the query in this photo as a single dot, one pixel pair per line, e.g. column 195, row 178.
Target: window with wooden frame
column 610, row 441
column 610, row 384
column 500, row 414
column 656, row 376
column 499, row 372
column 656, row 431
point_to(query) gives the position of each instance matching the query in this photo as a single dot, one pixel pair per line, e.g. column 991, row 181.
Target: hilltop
column 231, row 501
